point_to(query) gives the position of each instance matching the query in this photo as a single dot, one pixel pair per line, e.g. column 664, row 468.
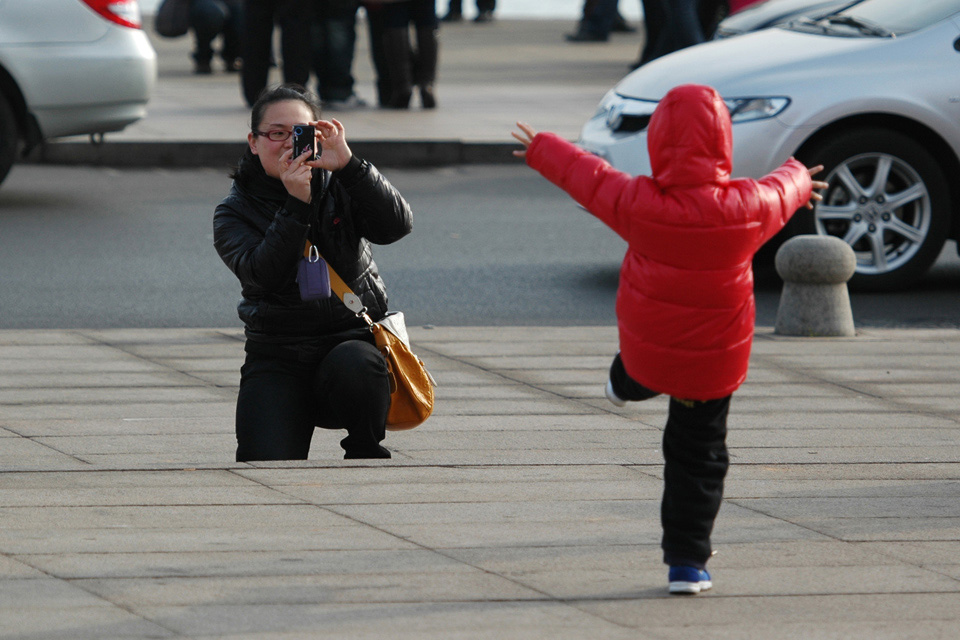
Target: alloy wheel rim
column 880, row 206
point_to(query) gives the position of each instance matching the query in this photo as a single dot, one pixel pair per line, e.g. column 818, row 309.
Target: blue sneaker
column 688, row 580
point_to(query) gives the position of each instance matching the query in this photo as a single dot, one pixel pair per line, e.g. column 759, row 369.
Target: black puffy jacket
column 260, row 231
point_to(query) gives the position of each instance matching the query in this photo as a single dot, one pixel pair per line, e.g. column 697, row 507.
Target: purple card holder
column 313, row 277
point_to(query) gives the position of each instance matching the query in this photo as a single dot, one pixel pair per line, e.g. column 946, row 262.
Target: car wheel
column 887, row 199
column 9, row 137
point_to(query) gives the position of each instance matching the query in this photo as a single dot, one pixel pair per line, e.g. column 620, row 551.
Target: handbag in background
column 173, row 18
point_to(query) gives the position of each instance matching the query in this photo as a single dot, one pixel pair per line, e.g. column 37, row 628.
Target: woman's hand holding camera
column 333, row 151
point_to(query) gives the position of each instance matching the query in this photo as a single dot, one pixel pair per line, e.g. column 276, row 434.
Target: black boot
column 425, row 71
column 396, row 49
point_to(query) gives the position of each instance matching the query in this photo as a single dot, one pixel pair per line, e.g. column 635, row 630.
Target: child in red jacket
column 685, row 306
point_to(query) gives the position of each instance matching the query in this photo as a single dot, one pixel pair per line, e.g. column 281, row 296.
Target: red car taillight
column 122, row 12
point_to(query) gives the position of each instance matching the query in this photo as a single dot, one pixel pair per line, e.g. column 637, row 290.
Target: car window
column 901, row 17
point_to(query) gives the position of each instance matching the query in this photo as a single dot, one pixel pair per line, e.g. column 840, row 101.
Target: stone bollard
column 815, row 270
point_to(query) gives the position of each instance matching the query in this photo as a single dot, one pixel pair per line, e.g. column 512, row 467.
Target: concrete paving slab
column 734, row 487
column 206, row 409
column 171, row 516
column 29, row 544
column 114, row 480
column 120, row 426
column 463, row 586
column 514, row 619
column 179, row 445
column 416, row 477
column 78, row 623
column 814, row 630
column 304, row 561
column 940, row 555
column 105, row 379
column 884, row 529
column 717, row 612
column 30, row 337
column 110, row 395
column 143, row 496
column 48, row 593
column 11, row 569
column 539, row 423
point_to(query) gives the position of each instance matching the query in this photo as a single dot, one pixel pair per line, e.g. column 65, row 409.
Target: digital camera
column 304, row 138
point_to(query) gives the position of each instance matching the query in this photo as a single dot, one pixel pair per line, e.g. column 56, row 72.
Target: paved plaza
column 526, row 507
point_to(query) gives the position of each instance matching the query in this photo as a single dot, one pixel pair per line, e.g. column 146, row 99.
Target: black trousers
column 259, row 17
column 695, row 465
column 281, row 402
column 456, row 6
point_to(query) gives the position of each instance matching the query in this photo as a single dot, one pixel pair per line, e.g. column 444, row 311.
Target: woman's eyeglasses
column 276, row 135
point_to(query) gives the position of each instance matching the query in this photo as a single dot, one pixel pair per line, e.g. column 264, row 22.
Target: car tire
column 897, row 224
column 9, row 137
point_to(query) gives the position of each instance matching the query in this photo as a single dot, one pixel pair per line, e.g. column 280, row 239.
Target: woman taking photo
column 309, row 363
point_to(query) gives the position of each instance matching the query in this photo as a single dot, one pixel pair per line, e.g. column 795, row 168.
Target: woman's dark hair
column 282, row 93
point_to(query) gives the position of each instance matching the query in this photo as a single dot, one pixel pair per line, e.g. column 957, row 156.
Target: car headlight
column 748, row 109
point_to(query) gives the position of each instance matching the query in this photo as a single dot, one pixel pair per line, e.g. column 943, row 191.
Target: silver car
column 70, row 67
column 872, row 93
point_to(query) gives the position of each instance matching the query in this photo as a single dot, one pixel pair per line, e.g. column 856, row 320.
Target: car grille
column 631, row 124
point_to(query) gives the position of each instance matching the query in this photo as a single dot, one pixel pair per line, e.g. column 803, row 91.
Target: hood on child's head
column 689, row 138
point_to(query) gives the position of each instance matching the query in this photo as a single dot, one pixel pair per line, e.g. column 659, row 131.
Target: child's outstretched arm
column 588, row 179
column 787, row 189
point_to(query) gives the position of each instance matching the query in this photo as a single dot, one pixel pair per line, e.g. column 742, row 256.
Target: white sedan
column 872, row 93
column 70, row 67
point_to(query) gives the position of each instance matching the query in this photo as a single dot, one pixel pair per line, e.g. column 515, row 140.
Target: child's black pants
column 696, row 462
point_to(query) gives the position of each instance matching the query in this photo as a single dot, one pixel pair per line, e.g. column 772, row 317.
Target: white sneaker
column 612, row 396
column 350, row 104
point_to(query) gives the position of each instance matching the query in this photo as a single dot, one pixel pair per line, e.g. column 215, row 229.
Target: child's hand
column 817, row 184
column 525, row 138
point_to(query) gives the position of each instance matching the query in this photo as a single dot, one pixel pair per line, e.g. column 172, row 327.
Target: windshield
column 879, row 17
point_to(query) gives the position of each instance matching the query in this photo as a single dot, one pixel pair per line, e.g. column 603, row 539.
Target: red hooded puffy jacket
column 685, row 304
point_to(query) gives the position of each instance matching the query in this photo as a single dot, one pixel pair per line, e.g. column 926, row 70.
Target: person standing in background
column 405, row 66
column 485, row 9
column 374, row 10
column 259, row 16
column 333, row 38
column 212, row 18
column 671, row 25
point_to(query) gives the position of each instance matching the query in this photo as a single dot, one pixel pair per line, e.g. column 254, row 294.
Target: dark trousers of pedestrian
column 655, row 33
column 599, row 16
column 456, row 6
column 211, row 18
column 408, row 67
column 293, row 17
column 378, row 58
column 282, row 401
column 333, row 37
column 695, row 464
column 672, row 25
